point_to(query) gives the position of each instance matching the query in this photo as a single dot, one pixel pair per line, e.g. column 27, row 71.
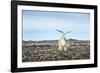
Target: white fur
column 63, row 45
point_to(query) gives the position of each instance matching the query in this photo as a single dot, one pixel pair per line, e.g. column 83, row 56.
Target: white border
column 53, row 63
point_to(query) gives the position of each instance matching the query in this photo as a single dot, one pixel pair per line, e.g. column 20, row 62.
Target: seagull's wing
column 59, row 31
column 68, row 32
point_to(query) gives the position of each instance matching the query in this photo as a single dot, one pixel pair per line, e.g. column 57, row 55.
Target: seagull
column 63, row 32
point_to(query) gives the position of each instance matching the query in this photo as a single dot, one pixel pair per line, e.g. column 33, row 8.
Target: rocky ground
column 35, row 53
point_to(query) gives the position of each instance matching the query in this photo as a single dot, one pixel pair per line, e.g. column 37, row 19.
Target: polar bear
column 63, row 45
column 62, row 42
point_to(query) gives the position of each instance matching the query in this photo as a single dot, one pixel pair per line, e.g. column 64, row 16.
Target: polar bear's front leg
column 60, row 48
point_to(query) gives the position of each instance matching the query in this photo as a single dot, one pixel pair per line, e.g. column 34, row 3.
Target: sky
column 42, row 25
